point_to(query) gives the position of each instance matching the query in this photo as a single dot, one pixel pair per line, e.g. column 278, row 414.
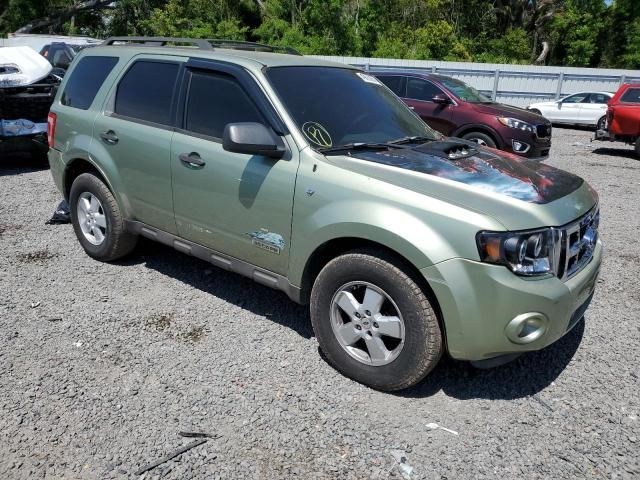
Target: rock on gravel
column 101, row 365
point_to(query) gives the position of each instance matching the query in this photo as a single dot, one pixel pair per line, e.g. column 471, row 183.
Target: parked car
column 403, row 242
column 28, row 85
column 456, row 109
column 59, row 54
column 585, row 108
column 623, row 117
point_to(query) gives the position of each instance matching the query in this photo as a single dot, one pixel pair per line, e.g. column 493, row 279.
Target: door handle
column 109, row 137
column 192, row 160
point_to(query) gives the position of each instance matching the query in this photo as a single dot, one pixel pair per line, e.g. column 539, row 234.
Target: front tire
column 373, row 322
column 481, row 139
column 98, row 221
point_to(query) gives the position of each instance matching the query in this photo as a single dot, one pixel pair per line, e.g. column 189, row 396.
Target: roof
column 202, row 48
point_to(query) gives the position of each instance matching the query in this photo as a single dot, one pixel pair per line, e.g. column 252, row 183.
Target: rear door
column 237, row 204
column 419, row 94
column 593, row 108
column 135, row 133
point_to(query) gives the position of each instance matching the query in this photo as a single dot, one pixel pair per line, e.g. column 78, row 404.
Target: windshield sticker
column 317, row 134
column 368, row 78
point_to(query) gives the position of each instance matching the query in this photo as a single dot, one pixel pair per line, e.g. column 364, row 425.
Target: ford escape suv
column 454, row 108
column 314, row 178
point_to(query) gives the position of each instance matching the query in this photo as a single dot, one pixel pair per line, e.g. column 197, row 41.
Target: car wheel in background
column 481, row 139
column 373, row 322
column 602, row 123
column 638, row 147
column 536, row 111
column 98, row 221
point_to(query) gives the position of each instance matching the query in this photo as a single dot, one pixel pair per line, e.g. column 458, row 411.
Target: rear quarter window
column 631, row 96
column 86, row 79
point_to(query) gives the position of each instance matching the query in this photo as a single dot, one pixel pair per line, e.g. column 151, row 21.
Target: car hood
column 520, row 193
column 499, row 109
column 21, row 66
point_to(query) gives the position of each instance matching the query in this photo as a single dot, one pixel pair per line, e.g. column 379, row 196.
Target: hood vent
column 450, row 150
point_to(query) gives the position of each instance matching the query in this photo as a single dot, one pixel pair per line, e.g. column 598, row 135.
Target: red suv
column 458, row 110
column 623, row 117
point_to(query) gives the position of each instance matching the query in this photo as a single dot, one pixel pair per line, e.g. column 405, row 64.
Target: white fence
column 517, row 85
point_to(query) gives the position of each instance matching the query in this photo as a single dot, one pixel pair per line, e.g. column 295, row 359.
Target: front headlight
column 524, row 253
column 515, row 123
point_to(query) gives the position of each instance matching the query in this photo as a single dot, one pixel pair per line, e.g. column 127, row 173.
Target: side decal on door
column 267, row 240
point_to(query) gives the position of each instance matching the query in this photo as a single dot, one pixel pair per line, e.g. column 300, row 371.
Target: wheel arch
column 461, row 131
column 79, row 165
column 335, row 247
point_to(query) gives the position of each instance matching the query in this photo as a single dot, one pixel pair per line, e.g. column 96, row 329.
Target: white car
column 585, row 108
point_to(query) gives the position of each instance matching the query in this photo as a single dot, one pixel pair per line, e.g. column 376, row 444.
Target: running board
column 231, row 264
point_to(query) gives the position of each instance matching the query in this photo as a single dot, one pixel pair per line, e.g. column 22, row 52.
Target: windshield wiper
column 357, row 146
column 413, row 139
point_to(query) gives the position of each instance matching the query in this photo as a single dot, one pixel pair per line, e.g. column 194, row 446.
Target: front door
column 419, row 95
column 568, row 110
column 240, row 205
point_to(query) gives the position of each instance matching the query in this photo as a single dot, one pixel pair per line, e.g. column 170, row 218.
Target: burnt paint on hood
column 512, row 176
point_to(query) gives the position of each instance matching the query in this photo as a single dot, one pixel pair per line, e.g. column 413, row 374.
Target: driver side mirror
column 441, row 100
column 253, row 139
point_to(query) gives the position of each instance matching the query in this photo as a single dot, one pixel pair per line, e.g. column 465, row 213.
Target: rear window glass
column 146, row 91
column 216, row 100
column 631, row 96
column 85, row 81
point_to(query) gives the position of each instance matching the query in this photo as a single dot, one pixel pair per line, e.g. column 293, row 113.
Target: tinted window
column 146, row 91
column 85, row 81
column 394, row 82
column 463, row 91
column 631, row 96
column 216, row 100
column 336, row 106
column 598, row 98
column 421, row 89
column 577, row 98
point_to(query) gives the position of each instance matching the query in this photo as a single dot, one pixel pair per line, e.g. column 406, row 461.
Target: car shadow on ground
column 525, row 376
column 228, row 286
column 616, row 152
column 17, row 163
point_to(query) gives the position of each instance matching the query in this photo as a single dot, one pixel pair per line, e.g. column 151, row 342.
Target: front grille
column 576, row 243
column 543, row 131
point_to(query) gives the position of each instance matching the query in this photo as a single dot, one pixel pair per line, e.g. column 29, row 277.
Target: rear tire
column 98, row 221
column 602, row 123
column 396, row 342
column 480, row 138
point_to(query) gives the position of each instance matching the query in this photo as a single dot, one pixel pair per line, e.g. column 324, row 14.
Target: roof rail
column 159, row 41
column 201, row 43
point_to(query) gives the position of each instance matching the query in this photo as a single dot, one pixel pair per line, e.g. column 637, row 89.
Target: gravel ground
column 102, row 365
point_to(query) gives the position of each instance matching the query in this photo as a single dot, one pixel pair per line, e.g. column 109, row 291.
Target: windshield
column 463, row 91
column 339, row 106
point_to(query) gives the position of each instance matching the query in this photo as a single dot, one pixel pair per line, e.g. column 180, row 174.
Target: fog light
column 519, row 146
column 526, row 328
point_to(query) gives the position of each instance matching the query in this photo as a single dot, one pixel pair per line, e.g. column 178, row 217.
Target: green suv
column 313, row 178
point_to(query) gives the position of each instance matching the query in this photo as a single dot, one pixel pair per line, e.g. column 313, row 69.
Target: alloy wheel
column 91, row 218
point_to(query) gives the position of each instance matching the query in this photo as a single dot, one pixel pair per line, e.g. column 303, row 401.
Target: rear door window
column 631, row 96
column 86, row 79
column 419, row 89
column 395, row 82
column 215, row 100
column 598, row 98
column 146, row 91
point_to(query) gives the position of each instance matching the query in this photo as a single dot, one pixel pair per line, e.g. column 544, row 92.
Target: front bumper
column 531, row 146
column 478, row 301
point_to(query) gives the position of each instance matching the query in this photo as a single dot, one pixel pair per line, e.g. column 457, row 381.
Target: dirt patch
column 194, row 334
column 36, row 256
column 5, row 228
column 160, row 321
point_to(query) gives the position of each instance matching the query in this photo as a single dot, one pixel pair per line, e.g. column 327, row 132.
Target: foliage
column 577, row 32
